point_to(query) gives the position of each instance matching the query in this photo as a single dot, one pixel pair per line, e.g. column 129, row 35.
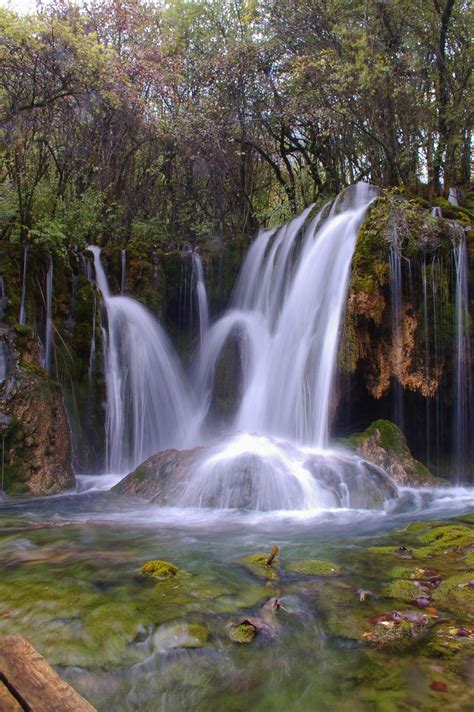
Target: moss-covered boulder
column 37, row 443
column 384, row 444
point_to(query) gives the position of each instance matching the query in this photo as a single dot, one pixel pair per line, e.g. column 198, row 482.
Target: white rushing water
column 149, row 405
column 286, row 314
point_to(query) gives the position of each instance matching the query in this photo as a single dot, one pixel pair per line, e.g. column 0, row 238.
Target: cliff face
column 33, row 422
column 399, row 333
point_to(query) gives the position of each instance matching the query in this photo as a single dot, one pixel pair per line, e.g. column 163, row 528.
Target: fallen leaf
column 439, row 686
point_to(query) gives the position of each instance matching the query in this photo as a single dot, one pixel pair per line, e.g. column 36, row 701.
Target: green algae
column 159, row 569
column 314, row 567
column 243, row 633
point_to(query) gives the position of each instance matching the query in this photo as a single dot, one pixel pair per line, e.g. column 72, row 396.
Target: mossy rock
column 159, row 569
column 401, row 589
column 243, row 633
column 266, row 565
column 455, row 596
column 384, row 444
column 314, row 567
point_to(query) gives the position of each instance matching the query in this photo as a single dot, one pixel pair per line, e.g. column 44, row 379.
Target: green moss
column 314, row 567
column 23, row 330
column 243, row 633
column 454, row 596
column 266, row 565
column 159, row 569
column 401, row 589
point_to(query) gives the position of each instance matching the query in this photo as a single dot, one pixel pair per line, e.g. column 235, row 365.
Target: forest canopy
column 164, row 122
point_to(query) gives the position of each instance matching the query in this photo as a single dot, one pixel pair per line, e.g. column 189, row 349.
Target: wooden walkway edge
column 29, row 684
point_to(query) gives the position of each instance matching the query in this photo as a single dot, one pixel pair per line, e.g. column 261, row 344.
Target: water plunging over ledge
column 284, row 321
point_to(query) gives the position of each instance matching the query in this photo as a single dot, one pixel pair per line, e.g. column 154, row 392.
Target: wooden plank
column 36, row 685
column 7, row 701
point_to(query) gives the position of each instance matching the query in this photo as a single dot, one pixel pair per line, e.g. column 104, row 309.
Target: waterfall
column 395, row 264
column 22, row 317
column 463, row 404
column 149, row 406
column 203, row 307
column 49, row 335
column 123, row 271
column 436, row 212
column 285, row 313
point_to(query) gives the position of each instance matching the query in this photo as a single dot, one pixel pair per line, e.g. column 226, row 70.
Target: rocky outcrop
column 33, row 422
column 384, row 444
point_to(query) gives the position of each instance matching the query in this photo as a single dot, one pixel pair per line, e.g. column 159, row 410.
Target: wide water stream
column 71, row 583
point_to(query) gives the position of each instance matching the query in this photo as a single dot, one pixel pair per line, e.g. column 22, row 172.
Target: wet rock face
column 384, row 444
column 160, row 476
column 33, row 421
column 357, row 484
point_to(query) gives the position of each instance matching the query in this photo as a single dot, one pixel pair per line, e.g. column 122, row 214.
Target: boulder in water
column 384, row 444
column 258, row 473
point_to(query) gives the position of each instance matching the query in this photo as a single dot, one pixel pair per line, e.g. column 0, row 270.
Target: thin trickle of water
column 123, row 271
column 200, row 286
column 149, row 406
column 3, row 299
column 463, row 403
column 395, row 264
column 427, row 357
column 92, row 351
column 436, row 212
column 22, row 317
column 49, row 331
column 3, row 362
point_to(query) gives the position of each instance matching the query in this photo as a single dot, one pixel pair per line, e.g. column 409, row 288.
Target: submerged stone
column 314, row 567
column 180, row 635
